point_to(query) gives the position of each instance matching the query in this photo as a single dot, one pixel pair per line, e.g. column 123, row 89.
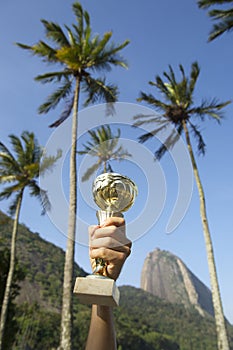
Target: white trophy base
column 97, row 290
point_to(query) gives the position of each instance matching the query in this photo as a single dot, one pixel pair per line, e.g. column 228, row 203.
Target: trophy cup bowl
column 113, row 193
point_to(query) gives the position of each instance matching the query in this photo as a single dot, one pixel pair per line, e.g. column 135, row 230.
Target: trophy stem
column 102, row 215
column 113, row 193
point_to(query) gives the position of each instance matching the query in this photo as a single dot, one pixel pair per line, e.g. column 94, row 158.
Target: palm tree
column 223, row 17
column 103, row 146
column 178, row 110
column 81, row 55
column 21, row 170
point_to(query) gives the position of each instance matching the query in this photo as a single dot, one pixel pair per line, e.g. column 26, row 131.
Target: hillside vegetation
column 143, row 321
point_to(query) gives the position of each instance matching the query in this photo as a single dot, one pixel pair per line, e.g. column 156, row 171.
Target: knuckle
column 128, row 251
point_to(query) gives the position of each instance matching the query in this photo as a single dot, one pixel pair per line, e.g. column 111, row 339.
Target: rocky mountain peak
column 166, row 276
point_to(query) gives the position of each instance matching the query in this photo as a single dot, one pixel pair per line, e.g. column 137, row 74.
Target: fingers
column 111, row 255
column 114, row 259
column 116, row 221
column 111, row 237
column 110, row 243
column 111, row 234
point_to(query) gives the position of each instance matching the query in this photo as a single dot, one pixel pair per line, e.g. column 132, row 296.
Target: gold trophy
column 113, row 193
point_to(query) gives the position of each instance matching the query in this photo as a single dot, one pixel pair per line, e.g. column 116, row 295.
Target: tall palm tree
column 178, row 110
column 224, row 17
column 80, row 54
column 104, row 146
column 22, row 171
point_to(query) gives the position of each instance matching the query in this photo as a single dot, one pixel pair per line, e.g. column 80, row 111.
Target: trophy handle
column 102, row 215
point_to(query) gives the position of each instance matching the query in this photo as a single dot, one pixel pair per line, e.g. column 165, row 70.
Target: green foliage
column 177, row 109
column 43, row 262
column 143, row 321
column 81, row 54
column 172, row 323
column 38, row 328
column 11, row 322
column 23, row 167
column 103, row 145
column 223, row 17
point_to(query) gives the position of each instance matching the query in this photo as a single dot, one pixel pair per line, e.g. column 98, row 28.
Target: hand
column 109, row 242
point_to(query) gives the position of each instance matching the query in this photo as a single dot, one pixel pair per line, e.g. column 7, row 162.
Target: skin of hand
column 109, row 242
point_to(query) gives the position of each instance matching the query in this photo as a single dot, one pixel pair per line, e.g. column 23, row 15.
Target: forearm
column 102, row 332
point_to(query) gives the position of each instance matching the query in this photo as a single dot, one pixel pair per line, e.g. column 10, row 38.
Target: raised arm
column 109, row 242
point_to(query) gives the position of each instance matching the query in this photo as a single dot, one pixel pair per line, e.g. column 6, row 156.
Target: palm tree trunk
column 221, row 331
column 66, row 316
column 7, row 292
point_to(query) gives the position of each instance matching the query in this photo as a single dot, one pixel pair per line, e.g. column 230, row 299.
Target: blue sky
column 161, row 33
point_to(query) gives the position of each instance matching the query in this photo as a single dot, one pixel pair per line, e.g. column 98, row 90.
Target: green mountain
column 143, row 321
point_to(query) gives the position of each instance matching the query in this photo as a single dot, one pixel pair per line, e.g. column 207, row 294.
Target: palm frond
column 221, row 14
column 53, row 76
column 55, row 33
column 98, row 91
column 195, row 71
column 38, row 192
column 105, row 133
column 79, row 13
column 211, row 108
column 48, row 163
column 90, row 171
column 7, row 178
column 56, row 97
column 104, row 55
column 208, row 3
column 142, row 119
column 78, row 52
column 23, row 170
column 151, row 100
column 171, row 76
column 201, row 146
column 101, row 44
column 103, row 146
column 83, row 29
column 9, row 190
column 220, row 28
column 71, row 36
column 14, row 202
column 161, row 86
column 94, row 135
column 113, row 49
column 184, row 86
column 118, row 61
column 32, row 151
column 7, row 160
column 121, row 154
column 6, row 193
column 179, row 110
column 176, row 93
column 41, row 49
column 88, row 150
column 169, row 143
column 65, row 113
column 100, row 66
column 147, row 136
column 17, row 147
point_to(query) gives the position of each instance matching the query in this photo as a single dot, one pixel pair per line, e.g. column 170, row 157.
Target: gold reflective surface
column 114, row 192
